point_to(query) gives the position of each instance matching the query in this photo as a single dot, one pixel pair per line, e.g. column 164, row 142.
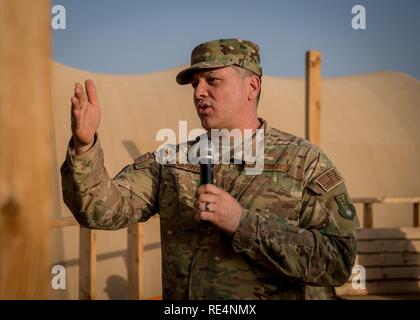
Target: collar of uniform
column 264, row 125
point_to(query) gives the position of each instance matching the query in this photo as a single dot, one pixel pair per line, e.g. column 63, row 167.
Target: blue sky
column 134, row 37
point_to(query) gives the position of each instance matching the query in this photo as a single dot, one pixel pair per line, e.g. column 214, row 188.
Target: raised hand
column 85, row 115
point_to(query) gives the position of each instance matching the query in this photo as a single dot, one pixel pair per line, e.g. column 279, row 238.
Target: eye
column 212, row 80
column 194, row 83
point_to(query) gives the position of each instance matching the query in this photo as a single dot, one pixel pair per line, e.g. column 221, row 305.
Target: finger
column 80, row 93
column 91, row 91
column 75, row 103
column 211, row 207
column 203, row 198
column 209, row 188
column 76, row 113
column 73, row 120
column 207, row 197
column 204, row 216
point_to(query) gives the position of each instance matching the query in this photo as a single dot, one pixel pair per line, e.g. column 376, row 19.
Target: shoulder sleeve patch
column 345, row 208
column 329, row 179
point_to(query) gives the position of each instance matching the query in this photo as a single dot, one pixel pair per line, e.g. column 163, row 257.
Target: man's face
column 220, row 97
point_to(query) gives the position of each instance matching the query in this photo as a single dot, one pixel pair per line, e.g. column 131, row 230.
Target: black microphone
column 206, row 160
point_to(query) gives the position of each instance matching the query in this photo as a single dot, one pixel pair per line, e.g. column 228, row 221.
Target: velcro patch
column 282, row 167
column 345, row 208
column 329, row 179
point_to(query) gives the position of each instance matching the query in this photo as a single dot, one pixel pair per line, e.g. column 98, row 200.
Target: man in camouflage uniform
column 258, row 236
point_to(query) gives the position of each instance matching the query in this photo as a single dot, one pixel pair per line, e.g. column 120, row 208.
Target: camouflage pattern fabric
column 291, row 234
column 223, row 53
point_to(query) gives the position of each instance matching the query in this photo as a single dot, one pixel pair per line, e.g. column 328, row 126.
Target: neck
column 250, row 123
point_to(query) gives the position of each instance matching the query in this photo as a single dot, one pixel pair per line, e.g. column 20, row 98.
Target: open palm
column 85, row 114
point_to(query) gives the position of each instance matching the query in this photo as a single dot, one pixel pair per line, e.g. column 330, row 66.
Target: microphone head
column 206, row 157
column 206, row 152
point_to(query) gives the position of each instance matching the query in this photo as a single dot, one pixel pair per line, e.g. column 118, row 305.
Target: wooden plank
column 26, row 155
column 63, row 222
column 313, row 96
column 135, row 264
column 416, row 214
column 367, row 215
column 380, row 287
column 394, row 200
column 388, row 233
column 87, row 264
column 384, row 273
column 378, row 246
column 388, row 259
column 367, row 200
column 401, row 200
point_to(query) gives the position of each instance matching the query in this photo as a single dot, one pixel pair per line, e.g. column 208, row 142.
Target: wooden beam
column 389, row 273
column 416, row 214
column 367, row 200
column 26, row 154
column 389, row 200
column 388, row 259
column 367, row 215
column 401, row 200
column 388, row 233
column 135, row 262
column 87, row 264
column 388, row 245
column 313, row 97
column 63, row 222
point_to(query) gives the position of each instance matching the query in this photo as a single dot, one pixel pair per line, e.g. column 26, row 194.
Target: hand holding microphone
column 214, row 204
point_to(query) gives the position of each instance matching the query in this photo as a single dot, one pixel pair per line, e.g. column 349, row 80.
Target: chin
column 206, row 123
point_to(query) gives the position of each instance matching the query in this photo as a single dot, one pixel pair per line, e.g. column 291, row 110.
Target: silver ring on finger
column 207, row 206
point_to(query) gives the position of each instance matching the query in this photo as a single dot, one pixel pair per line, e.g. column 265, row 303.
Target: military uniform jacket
column 297, row 225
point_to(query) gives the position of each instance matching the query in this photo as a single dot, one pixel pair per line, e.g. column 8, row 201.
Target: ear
column 254, row 87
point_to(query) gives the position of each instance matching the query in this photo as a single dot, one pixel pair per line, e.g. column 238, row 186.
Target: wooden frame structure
column 87, row 259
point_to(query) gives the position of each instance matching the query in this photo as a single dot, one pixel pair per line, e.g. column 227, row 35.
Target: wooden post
column 135, row 262
column 26, row 154
column 416, row 214
column 313, row 97
column 367, row 215
column 87, row 264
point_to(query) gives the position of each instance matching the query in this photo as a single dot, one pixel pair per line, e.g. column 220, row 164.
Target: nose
column 201, row 90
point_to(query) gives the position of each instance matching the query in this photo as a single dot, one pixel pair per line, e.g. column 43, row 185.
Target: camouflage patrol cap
column 222, row 53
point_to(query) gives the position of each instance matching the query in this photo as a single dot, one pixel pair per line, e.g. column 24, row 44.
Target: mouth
column 204, row 109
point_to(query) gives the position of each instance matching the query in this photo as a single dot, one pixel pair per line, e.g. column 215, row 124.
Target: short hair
column 243, row 73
